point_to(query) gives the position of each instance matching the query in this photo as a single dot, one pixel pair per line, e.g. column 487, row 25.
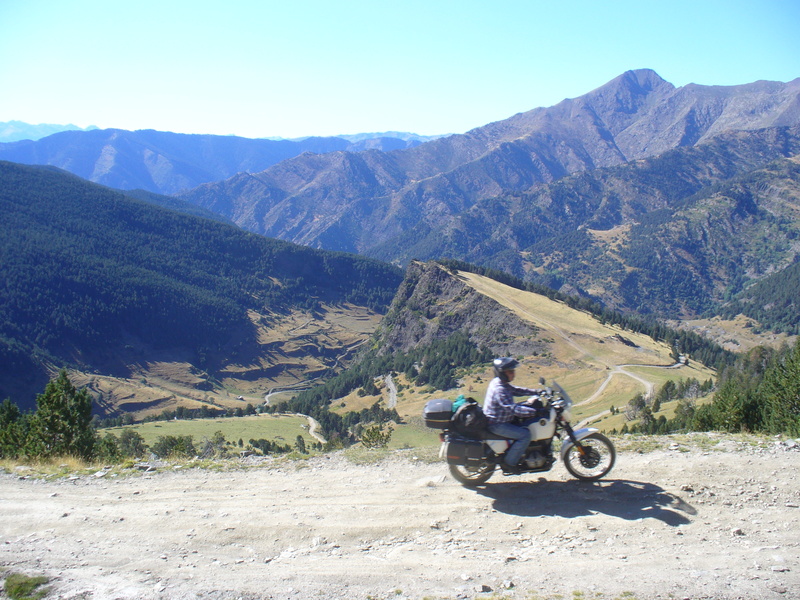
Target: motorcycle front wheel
column 472, row 476
column 596, row 460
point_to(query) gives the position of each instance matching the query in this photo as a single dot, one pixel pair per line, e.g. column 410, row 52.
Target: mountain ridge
column 166, row 162
column 592, row 230
column 15, row 131
column 635, row 115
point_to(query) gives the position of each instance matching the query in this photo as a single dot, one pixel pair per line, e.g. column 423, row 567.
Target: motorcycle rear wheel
column 597, row 460
column 472, row 476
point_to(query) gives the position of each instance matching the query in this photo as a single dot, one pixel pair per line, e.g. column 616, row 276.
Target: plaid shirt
column 499, row 405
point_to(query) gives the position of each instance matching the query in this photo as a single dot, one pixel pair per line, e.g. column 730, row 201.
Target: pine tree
column 781, row 395
column 62, row 424
column 736, row 405
column 13, row 427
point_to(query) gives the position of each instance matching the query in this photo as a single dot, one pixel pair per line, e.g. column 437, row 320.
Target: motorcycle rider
column 501, row 411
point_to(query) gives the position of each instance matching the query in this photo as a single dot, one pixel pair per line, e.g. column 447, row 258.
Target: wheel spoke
column 593, row 459
column 472, row 476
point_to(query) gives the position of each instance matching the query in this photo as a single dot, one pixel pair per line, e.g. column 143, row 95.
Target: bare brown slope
column 355, row 202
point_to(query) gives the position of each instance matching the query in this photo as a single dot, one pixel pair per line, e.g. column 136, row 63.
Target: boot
column 511, row 470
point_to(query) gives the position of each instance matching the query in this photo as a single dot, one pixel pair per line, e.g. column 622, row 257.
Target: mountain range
column 641, row 196
column 674, row 235
column 357, row 202
column 166, row 163
column 14, row 131
column 566, row 195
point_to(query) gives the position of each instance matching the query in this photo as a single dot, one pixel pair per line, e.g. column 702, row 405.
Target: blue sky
column 294, row 68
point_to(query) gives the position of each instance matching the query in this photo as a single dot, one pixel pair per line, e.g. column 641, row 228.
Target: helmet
column 501, row 365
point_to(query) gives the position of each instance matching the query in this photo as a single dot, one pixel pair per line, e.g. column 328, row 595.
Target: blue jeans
column 520, row 433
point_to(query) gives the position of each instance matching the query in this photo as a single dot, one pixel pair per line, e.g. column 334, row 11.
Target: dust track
column 678, row 522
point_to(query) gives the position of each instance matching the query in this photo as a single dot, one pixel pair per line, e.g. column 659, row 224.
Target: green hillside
column 86, row 270
column 772, row 302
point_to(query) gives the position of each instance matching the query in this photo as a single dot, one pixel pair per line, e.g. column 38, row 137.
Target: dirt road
column 699, row 517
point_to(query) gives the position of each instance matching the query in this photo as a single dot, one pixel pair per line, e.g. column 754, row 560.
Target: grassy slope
column 277, row 359
column 588, row 353
column 283, row 429
column 584, row 356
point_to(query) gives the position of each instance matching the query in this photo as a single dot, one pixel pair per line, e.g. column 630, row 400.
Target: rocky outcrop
column 433, row 303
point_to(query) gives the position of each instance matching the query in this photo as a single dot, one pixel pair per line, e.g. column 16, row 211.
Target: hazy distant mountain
column 13, row 131
column 388, row 140
column 400, row 135
column 167, row 163
column 357, row 202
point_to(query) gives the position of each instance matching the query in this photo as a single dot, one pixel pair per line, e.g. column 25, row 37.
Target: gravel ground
column 694, row 517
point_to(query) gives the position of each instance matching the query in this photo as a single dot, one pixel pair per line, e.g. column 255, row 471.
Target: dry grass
column 278, row 359
column 736, row 335
column 584, row 356
column 281, row 428
column 54, row 467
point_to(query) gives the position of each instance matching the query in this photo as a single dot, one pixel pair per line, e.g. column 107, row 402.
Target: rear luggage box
column 463, row 451
column 437, row 413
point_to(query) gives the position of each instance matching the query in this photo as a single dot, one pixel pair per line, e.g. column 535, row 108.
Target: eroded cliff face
column 433, row 303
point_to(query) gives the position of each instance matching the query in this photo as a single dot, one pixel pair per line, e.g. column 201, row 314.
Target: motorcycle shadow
column 630, row 500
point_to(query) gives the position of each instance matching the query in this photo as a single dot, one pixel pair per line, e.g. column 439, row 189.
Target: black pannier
column 469, row 419
column 463, row 451
column 437, row 413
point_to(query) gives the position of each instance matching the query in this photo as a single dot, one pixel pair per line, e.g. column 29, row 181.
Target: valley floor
column 695, row 517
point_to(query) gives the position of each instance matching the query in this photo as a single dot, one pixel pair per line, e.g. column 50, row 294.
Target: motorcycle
column 473, row 455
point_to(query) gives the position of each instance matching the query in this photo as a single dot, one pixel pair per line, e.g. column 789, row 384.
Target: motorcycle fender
column 579, row 435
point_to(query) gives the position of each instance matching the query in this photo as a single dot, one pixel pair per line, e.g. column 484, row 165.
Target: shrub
column 375, row 437
column 170, row 446
column 131, row 444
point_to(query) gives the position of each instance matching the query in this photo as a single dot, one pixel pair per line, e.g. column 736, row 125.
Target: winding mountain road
column 614, row 369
